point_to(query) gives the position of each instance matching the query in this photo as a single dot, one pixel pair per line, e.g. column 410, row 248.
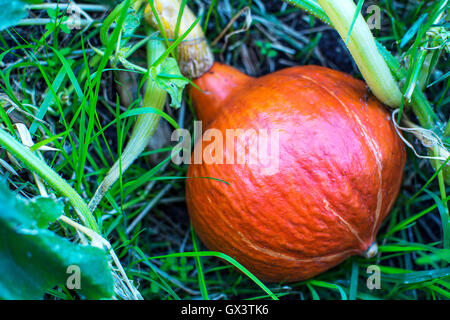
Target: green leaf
column 64, row 27
column 45, row 210
column 171, row 80
column 416, row 276
column 34, row 259
column 131, row 23
column 312, row 7
column 441, row 255
column 52, row 13
column 272, row 53
column 16, row 10
column 50, row 27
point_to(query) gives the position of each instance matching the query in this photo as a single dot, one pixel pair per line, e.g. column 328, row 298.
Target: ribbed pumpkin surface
column 339, row 172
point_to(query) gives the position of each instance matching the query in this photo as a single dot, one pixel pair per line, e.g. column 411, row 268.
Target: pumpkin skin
column 340, row 169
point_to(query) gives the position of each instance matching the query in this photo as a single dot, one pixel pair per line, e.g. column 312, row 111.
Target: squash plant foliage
column 34, row 259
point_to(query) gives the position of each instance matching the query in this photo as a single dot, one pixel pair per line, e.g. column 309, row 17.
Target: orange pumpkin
column 339, row 170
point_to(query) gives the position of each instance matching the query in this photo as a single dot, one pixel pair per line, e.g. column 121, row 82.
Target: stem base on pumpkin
column 193, row 53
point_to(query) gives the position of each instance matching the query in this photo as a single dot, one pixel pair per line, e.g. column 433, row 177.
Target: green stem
column 363, row 49
column 35, row 164
column 143, row 131
column 419, row 103
column 373, row 61
column 445, row 217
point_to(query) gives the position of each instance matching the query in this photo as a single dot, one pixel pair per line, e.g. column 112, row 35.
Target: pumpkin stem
column 173, row 19
column 214, row 88
column 362, row 46
column 143, row 130
column 371, row 251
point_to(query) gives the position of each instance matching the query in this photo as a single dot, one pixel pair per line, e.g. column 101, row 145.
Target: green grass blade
column 199, row 265
column 357, row 12
column 226, row 258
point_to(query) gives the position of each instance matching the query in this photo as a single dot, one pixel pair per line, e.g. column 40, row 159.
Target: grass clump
column 78, row 92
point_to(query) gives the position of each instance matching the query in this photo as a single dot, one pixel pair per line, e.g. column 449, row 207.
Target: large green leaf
column 13, row 11
column 171, row 80
column 34, row 259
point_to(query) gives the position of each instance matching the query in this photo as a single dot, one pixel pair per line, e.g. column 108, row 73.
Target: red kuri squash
column 339, row 171
column 339, row 163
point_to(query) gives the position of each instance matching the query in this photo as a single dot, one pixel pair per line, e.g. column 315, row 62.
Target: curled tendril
column 428, row 138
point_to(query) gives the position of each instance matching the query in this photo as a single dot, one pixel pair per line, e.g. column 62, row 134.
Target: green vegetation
column 79, row 91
